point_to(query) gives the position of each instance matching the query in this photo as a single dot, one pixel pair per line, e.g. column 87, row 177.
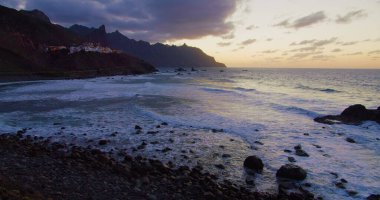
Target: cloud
column 354, row 54
column 312, row 45
column 303, row 49
column 144, row 19
column 347, row 43
column 238, row 49
column 299, row 56
column 269, row 51
column 336, row 50
column 322, row 57
column 224, row 44
column 303, row 42
column 228, row 36
column 319, row 43
column 248, row 42
column 305, row 21
column 374, row 52
column 350, row 16
column 251, row 27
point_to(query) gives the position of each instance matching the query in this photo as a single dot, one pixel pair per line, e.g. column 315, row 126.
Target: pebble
column 291, row 159
column 220, row 166
column 298, row 147
column 340, row 185
column 226, row 156
column 103, row 142
column 302, row 153
column 351, row 192
column 166, row 149
column 350, row 140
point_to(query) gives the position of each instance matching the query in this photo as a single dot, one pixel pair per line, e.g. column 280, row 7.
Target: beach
column 214, row 119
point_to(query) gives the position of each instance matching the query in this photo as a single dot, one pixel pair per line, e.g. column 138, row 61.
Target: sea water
column 214, row 117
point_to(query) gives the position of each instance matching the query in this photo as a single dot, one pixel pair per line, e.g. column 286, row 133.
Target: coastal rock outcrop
column 354, row 114
column 291, row 171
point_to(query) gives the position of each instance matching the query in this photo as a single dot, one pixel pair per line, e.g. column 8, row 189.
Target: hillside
column 25, row 36
column 158, row 54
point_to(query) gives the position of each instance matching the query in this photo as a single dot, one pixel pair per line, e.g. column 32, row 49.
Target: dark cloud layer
column 143, row 19
column 305, row 21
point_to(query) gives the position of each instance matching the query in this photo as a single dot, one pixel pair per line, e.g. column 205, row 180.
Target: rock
column 298, row 147
column 142, row 145
column 334, row 174
column 343, row 180
column 287, row 151
column 249, row 181
column 103, row 142
column 220, row 166
column 291, row 159
column 340, row 185
column 226, row 156
column 137, row 127
column 302, row 153
column 373, row 197
column 354, row 114
column 164, row 124
column 258, row 142
column 166, row 149
column 306, row 134
column 254, row 163
column 351, row 192
column 217, row 130
column 291, row 171
column 350, row 140
column 307, row 184
column 158, row 126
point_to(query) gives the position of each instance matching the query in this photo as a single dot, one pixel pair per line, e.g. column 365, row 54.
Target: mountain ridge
column 158, row 54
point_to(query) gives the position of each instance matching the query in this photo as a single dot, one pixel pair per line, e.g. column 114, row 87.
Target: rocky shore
column 34, row 168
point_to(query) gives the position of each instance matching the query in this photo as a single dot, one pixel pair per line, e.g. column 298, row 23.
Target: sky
column 239, row 33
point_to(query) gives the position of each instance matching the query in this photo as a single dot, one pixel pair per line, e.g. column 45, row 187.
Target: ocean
column 214, row 117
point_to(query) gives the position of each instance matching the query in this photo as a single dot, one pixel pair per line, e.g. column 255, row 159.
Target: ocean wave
column 327, row 90
column 244, row 89
column 296, row 110
column 216, row 90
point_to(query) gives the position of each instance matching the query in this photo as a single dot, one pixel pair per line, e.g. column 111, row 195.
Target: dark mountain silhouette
column 26, row 35
column 158, row 54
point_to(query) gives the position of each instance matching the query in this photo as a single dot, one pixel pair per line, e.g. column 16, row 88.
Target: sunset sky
column 241, row 33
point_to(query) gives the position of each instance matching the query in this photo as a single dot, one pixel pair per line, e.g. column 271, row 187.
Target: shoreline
column 35, row 168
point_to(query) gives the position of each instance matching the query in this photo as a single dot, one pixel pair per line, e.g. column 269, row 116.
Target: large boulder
column 254, row 163
column 291, row 171
column 354, row 114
